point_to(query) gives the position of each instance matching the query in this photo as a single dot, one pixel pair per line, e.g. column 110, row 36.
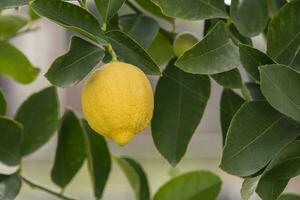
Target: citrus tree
column 260, row 115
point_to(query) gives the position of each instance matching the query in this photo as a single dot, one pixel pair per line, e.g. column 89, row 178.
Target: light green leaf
column 192, row 185
column 99, row 159
column 10, row 186
column 289, row 197
column 2, row 103
column 12, row 3
column 10, row 25
column 108, row 8
column 70, row 151
column 39, row 115
column 230, row 103
column 175, row 118
column 14, row 64
column 136, row 177
column 229, row 79
column 248, row 187
column 280, row 86
column 71, row 17
column 212, row 55
column 193, row 9
column 284, row 33
column 241, row 12
column 256, row 129
column 72, row 67
column 10, row 141
column 131, row 52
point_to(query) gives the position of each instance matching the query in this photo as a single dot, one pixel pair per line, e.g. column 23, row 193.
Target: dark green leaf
column 280, row 86
column 248, row 187
column 136, row 176
column 98, row 157
column 191, row 186
column 296, row 62
column 256, row 129
column 39, row 115
column 237, row 37
column 70, row 152
column 241, row 13
column 229, row 79
column 274, row 6
column 12, row 3
column 270, row 190
column 251, row 59
column 141, row 28
column 70, row 16
column 72, row 67
column 230, row 103
column 289, row 197
column 284, row 33
column 10, row 186
column 10, row 25
column 193, row 10
column 212, row 55
column 10, row 141
column 14, row 64
column 131, row 52
column 255, row 91
column 108, row 8
column 175, row 117
column 2, row 103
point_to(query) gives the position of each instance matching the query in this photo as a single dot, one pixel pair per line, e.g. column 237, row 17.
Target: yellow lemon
column 117, row 101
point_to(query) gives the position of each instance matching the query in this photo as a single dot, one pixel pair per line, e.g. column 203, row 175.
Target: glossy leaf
column 230, row 104
column 136, row 176
column 71, row 17
column 12, row 3
column 72, row 67
column 2, row 103
column 212, row 55
column 13, row 63
column 289, row 197
column 39, row 115
column 10, row 141
column 141, row 28
column 99, row 159
column 192, row 185
column 241, row 12
column 10, row 186
column 108, row 8
column 251, row 59
column 270, row 190
column 256, row 129
column 229, row 79
column 279, row 84
column 192, row 10
column 70, row 151
column 10, row 25
column 175, row 118
column 284, row 33
column 131, row 52
column 248, row 187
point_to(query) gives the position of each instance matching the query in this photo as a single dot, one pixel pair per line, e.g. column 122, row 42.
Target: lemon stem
column 112, row 53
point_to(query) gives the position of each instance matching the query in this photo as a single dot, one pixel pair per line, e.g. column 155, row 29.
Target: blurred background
column 204, row 152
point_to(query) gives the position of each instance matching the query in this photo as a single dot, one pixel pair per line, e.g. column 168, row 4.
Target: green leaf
column 141, row 28
column 71, row 17
column 12, row 3
column 284, row 33
column 237, row 37
column 296, row 62
column 280, row 86
column 10, row 186
column 161, row 42
column 192, row 10
column 251, row 59
column 136, row 176
column 212, row 55
column 175, row 118
column 70, row 152
column 10, row 25
column 33, row 15
column 230, row 103
column 131, row 52
column 274, row 6
column 241, row 13
column 270, row 190
column 98, row 157
column 39, row 115
column 108, row 8
column 2, row 103
column 289, row 197
column 14, row 64
column 153, row 9
column 192, row 185
column 255, row 91
column 256, row 129
column 72, row 67
column 248, row 187
column 10, row 141
column 229, row 79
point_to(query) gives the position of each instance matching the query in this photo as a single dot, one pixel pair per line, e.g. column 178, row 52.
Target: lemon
column 117, row 101
column 184, row 42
